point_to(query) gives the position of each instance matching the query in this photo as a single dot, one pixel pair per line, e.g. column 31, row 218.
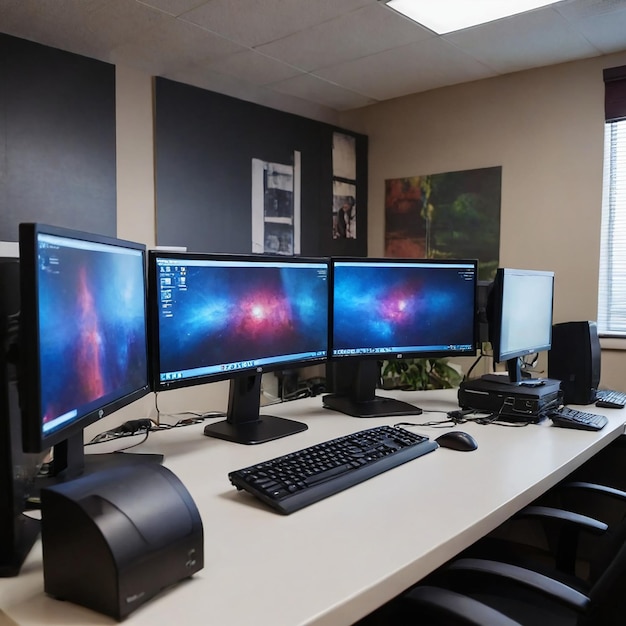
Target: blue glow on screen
column 217, row 317
column 385, row 307
column 92, row 332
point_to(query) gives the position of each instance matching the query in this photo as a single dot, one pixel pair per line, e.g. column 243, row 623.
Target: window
column 612, row 282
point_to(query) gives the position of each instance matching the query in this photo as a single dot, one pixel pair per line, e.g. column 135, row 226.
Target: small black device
column 457, row 440
column 114, row 539
column 293, row 481
column 575, row 359
column 389, row 310
column 566, row 417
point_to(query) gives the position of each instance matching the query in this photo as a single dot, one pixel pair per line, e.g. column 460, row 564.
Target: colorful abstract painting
column 449, row 215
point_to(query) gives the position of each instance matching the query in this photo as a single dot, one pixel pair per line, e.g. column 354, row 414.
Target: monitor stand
column 515, row 375
column 356, row 384
column 374, row 407
column 70, row 461
column 243, row 423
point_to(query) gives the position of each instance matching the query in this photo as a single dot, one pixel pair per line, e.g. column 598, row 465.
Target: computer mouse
column 457, row 440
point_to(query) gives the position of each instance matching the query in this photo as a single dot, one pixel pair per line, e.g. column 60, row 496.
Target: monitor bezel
column 153, row 305
column 392, row 356
column 495, row 314
column 34, row 439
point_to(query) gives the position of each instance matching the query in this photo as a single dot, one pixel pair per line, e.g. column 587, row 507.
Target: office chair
column 493, row 591
column 493, row 594
column 578, row 528
column 486, row 593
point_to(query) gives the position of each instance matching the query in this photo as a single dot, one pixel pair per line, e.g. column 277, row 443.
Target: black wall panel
column 57, row 139
column 205, row 143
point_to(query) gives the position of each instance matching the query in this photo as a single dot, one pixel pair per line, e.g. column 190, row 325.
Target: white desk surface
column 339, row 559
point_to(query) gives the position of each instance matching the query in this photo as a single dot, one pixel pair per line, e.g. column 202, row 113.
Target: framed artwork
column 276, row 207
column 449, row 215
column 344, row 186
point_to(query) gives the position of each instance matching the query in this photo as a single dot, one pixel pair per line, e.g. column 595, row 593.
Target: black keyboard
column 293, row 481
column 572, row 418
column 610, row 399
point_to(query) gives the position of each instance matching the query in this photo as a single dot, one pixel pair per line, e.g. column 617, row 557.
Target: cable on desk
column 458, row 416
column 463, row 416
column 195, row 419
column 146, row 426
column 127, row 429
column 498, row 420
column 433, row 423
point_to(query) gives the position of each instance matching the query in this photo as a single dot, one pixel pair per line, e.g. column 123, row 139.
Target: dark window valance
column 615, row 93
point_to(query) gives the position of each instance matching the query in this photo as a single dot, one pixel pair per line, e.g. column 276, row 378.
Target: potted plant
column 412, row 374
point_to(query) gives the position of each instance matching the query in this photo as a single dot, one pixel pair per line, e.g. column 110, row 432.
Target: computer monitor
column 217, row 317
column 83, row 340
column 386, row 309
column 519, row 312
column 18, row 469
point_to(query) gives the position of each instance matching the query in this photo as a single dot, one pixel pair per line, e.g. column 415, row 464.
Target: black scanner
column 114, row 539
column 457, row 440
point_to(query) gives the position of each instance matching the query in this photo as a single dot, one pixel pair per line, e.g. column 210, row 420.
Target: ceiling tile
column 416, row 67
column 309, row 87
column 256, row 23
column 59, row 25
column 173, row 7
column 360, row 33
column 450, row 63
column 527, row 40
column 580, row 9
column 254, row 68
column 601, row 22
column 120, row 21
column 172, row 44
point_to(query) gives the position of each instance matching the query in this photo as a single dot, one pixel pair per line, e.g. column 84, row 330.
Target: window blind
column 612, row 279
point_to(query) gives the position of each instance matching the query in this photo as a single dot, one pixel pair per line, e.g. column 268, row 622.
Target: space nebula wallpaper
column 402, row 307
column 227, row 317
column 92, row 327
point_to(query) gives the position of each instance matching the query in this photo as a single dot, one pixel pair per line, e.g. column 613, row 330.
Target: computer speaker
column 483, row 288
column 574, row 359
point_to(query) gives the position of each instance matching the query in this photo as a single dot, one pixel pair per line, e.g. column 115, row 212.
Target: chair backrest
column 606, row 570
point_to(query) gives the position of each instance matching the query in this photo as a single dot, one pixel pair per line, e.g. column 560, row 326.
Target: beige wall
column 545, row 128
column 136, row 219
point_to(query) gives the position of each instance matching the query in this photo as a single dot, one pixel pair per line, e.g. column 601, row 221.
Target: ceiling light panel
column 446, row 16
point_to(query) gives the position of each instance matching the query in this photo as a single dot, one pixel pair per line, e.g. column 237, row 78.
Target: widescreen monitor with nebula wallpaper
column 233, row 317
column 83, row 331
column 387, row 309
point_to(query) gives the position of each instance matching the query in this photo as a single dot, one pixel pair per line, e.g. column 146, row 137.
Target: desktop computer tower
column 510, row 402
column 574, row 359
